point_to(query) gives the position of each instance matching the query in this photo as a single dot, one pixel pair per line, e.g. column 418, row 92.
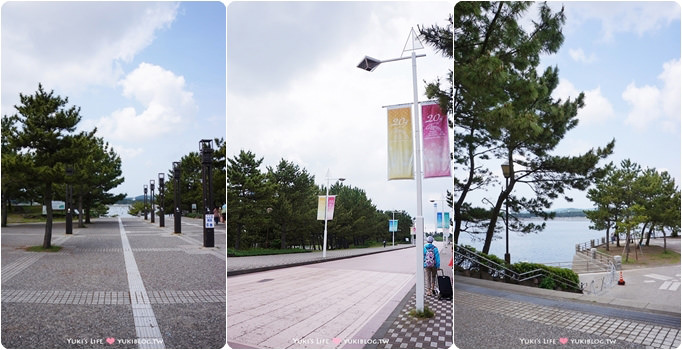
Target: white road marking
column 658, row 277
column 146, row 326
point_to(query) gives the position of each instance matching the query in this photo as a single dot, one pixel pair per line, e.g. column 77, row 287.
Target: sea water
column 555, row 244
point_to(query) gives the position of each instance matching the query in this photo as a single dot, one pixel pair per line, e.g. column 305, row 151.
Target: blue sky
column 149, row 75
column 625, row 56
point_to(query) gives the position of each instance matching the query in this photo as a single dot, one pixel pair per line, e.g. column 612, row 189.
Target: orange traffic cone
column 621, row 281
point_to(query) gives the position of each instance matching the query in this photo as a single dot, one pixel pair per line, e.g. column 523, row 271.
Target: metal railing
column 472, row 261
column 593, row 243
column 599, row 285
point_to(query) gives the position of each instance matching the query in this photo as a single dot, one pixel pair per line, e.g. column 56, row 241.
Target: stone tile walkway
column 118, row 283
column 646, row 334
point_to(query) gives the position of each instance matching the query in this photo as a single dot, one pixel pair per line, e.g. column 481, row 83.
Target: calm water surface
column 555, row 244
column 119, row 210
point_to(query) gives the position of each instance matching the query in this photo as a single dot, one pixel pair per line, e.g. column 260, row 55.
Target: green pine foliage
column 635, row 202
column 501, row 107
column 277, row 209
column 40, row 142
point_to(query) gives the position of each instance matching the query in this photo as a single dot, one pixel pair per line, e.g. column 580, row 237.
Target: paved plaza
column 524, row 317
column 356, row 302
column 118, row 283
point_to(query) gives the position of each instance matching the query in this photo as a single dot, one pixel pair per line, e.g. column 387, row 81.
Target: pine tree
column 46, row 136
column 502, row 107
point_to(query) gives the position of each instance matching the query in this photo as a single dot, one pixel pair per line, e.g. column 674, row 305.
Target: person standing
column 431, row 265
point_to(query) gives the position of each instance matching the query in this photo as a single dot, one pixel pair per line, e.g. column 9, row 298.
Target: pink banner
column 435, row 141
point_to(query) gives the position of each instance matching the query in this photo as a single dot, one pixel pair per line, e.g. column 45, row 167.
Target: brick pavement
column 80, row 297
column 646, row 334
column 403, row 331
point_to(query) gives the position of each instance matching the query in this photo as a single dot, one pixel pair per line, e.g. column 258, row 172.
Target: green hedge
column 548, row 282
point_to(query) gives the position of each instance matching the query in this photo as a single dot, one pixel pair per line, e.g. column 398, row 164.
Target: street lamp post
column 326, row 204
column 151, row 199
column 69, row 210
column 145, row 201
column 162, row 219
column 206, row 163
column 435, row 216
column 177, row 213
column 393, row 242
column 369, row 64
column 506, row 171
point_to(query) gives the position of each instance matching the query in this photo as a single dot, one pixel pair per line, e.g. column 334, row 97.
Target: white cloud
column 578, row 55
column 597, row 108
column 167, row 104
column 651, row 105
column 70, row 46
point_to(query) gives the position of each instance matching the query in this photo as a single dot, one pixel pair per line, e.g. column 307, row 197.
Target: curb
column 320, row 260
column 611, row 302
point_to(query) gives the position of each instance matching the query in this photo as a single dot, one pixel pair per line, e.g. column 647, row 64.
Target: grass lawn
column 650, row 256
column 262, row 251
column 39, row 248
column 24, row 218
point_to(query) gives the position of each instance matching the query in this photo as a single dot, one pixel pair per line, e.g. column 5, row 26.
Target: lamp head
column 369, row 64
column 506, row 170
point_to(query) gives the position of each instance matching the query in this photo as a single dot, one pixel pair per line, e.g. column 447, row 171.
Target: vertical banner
column 400, row 148
column 435, row 141
column 443, row 223
column 330, row 207
column 392, row 225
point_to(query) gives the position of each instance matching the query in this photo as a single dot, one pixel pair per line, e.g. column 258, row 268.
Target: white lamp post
column 326, row 204
column 369, row 64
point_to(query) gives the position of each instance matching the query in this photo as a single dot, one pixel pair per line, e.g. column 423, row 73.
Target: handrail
column 468, row 259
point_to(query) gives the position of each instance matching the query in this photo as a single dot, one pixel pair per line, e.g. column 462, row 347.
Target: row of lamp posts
column 206, row 148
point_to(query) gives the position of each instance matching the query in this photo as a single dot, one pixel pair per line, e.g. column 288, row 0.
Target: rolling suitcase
column 444, row 286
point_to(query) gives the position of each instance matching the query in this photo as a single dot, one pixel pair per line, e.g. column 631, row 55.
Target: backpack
column 430, row 258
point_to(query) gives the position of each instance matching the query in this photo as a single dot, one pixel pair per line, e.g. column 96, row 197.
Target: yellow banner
column 330, row 207
column 400, row 147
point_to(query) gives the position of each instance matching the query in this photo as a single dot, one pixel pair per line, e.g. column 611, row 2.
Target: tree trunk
column 615, row 229
column 80, row 210
column 641, row 236
column 458, row 225
column 608, row 235
column 47, row 239
column 493, row 220
column 465, row 190
column 665, row 243
column 87, row 214
column 648, row 235
column 283, row 237
column 5, row 208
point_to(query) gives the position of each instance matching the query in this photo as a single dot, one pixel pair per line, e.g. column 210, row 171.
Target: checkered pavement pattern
column 408, row 332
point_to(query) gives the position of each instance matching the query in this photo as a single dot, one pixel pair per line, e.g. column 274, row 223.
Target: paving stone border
column 110, row 297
